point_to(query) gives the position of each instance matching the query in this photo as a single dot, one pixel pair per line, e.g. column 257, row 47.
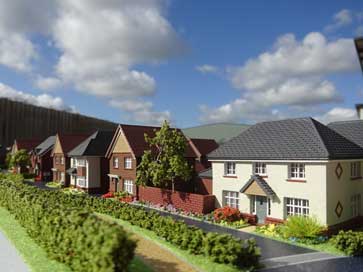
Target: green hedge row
column 69, row 234
column 350, row 242
column 220, row 248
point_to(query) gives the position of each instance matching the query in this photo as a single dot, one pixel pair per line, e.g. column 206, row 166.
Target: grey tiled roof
column 94, row 145
column 300, row 139
column 352, row 130
column 261, row 182
column 207, row 173
column 45, row 145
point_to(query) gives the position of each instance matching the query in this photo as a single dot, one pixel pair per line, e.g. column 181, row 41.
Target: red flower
column 227, row 214
column 108, row 195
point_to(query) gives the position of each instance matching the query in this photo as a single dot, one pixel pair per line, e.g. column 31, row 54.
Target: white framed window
column 231, row 199
column 128, row 163
column 115, row 162
column 81, row 162
column 62, row 160
column 355, row 169
column 297, row 206
column 81, row 181
column 355, row 205
column 259, row 168
column 297, row 171
column 62, row 177
column 128, row 186
column 230, row 168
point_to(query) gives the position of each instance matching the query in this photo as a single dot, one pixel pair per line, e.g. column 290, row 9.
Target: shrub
column 350, row 242
column 302, row 227
column 108, row 195
column 53, row 184
column 227, row 214
column 70, row 235
column 28, row 175
column 192, row 239
column 270, row 230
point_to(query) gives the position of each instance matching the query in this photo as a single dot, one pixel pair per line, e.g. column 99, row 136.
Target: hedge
column 350, row 242
column 220, row 248
column 70, row 235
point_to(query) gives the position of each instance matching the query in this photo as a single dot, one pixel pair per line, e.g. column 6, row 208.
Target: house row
column 106, row 161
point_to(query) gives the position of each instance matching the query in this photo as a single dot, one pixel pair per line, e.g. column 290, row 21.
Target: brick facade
column 61, row 168
column 186, row 201
column 204, row 186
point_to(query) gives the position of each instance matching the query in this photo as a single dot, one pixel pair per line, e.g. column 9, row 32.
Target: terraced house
column 290, row 167
column 41, row 160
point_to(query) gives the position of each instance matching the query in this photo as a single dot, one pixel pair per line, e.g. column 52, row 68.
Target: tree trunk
column 172, row 185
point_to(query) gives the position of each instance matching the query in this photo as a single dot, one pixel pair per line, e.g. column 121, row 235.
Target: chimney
column 359, row 46
column 359, row 108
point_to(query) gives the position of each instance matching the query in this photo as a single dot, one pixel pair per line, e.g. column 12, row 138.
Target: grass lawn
column 53, row 184
column 200, row 262
column 34, row 256
column 324, row 247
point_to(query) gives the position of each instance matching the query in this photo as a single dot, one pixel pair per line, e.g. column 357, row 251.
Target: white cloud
column 343, row 18
column 207, row 69
column 337, row 114
column 43, row 100
column 47, row 83
column 141, row 111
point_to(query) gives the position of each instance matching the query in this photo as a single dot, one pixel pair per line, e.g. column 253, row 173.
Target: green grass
column 198, row 261
column 53, row 184
column 323, row 247
column 34, row 256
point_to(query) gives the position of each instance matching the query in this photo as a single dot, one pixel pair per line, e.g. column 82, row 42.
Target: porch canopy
column 113, row 176
column 256, row 185
column 71, row 171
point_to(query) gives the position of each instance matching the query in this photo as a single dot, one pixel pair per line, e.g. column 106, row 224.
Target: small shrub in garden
column 302, row 227
column 270, row 230
column 108, row 195
column 227, row 214
column 350, row 242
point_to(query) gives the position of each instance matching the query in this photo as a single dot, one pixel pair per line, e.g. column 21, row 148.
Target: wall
column 204, row 186
column 186, row 201
column 314, row 189
column 93, row 172
column 121, row 171
column 24, row 121
column 341, row 189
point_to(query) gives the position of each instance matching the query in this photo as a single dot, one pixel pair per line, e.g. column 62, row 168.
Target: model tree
column 20, row 159
column 165, row 160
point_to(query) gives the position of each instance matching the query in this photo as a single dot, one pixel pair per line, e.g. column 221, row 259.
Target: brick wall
column 189, row 202
column 204, row 186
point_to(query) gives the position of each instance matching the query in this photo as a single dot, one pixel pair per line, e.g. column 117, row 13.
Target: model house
column 41, row 160
column 24, row 144
column 125, row 152
column 290, row 167
column 201, row 148
column 61, row 162
column 89, row 166
column 352, row 130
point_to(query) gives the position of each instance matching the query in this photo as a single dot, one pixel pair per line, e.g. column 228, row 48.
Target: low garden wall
column 186, row 201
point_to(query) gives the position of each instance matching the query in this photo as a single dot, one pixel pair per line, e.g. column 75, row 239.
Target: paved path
column 9, row 257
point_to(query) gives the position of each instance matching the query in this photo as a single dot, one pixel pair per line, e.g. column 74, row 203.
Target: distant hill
column 220, row 132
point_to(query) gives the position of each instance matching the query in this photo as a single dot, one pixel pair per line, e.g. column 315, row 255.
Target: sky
column 190, row 62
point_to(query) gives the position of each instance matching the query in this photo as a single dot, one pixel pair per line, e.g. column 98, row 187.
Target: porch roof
column 256, row 185
column 113, row 176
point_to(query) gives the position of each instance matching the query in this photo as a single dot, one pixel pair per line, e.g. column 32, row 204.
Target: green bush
column 28, row 175
column 72, row 236
column 350, row 242
column 302, row 227
column 218, row 247
column 53, row 184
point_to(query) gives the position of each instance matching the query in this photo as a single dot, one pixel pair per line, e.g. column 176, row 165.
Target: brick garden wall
column 189, row 202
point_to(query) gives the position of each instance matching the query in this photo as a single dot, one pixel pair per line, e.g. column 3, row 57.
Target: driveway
column 9, row 257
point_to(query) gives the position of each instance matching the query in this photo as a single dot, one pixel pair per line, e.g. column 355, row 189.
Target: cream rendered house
column 290, row 167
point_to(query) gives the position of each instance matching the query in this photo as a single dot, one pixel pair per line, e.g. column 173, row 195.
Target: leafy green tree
column 8, row 159
column 20, row 159
column 165, row 160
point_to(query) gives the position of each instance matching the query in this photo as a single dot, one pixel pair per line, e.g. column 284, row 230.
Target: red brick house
column 61, row 161
column 201, row 148
column 24, row 144
column 41, row 160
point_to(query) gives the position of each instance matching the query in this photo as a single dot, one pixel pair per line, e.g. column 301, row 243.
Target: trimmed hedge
column 350, row 242
column 220, row 248
column 73, row 236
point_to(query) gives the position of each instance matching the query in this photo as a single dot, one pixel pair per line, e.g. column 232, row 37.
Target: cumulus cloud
column 43, row 100
column 141, row 111
column 337, row 114
column 290, row 75
column 207, row 69
column 47, row 83
column 342, row 18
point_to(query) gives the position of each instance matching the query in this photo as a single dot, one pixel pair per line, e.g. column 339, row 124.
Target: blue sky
column 189, row 61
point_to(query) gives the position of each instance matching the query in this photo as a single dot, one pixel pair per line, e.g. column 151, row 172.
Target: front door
column 261, row 209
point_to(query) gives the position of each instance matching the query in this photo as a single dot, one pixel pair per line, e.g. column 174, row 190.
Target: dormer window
column 259, row 168
column 230, row 168
column 297, row 171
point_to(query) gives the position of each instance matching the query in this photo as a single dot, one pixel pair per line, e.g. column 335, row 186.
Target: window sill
column 230, row 176
column 355, row 178
column 262, row 176
column 296, row 180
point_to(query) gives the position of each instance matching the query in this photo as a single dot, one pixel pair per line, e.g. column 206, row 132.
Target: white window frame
column 356, row 205
column 62, row 160
column 231, row 199
column 115, row 162
column 296, row 206
column 230, row 169
column 81, row 182
column 129, row 186
column 355, row 169
column 62, row 177
column 81, row 162
column 128, row 163
column 259, row 168
column 297, row 171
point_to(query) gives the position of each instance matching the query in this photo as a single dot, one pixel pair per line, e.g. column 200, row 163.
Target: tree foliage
column 165, row 160
column 20, row 159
